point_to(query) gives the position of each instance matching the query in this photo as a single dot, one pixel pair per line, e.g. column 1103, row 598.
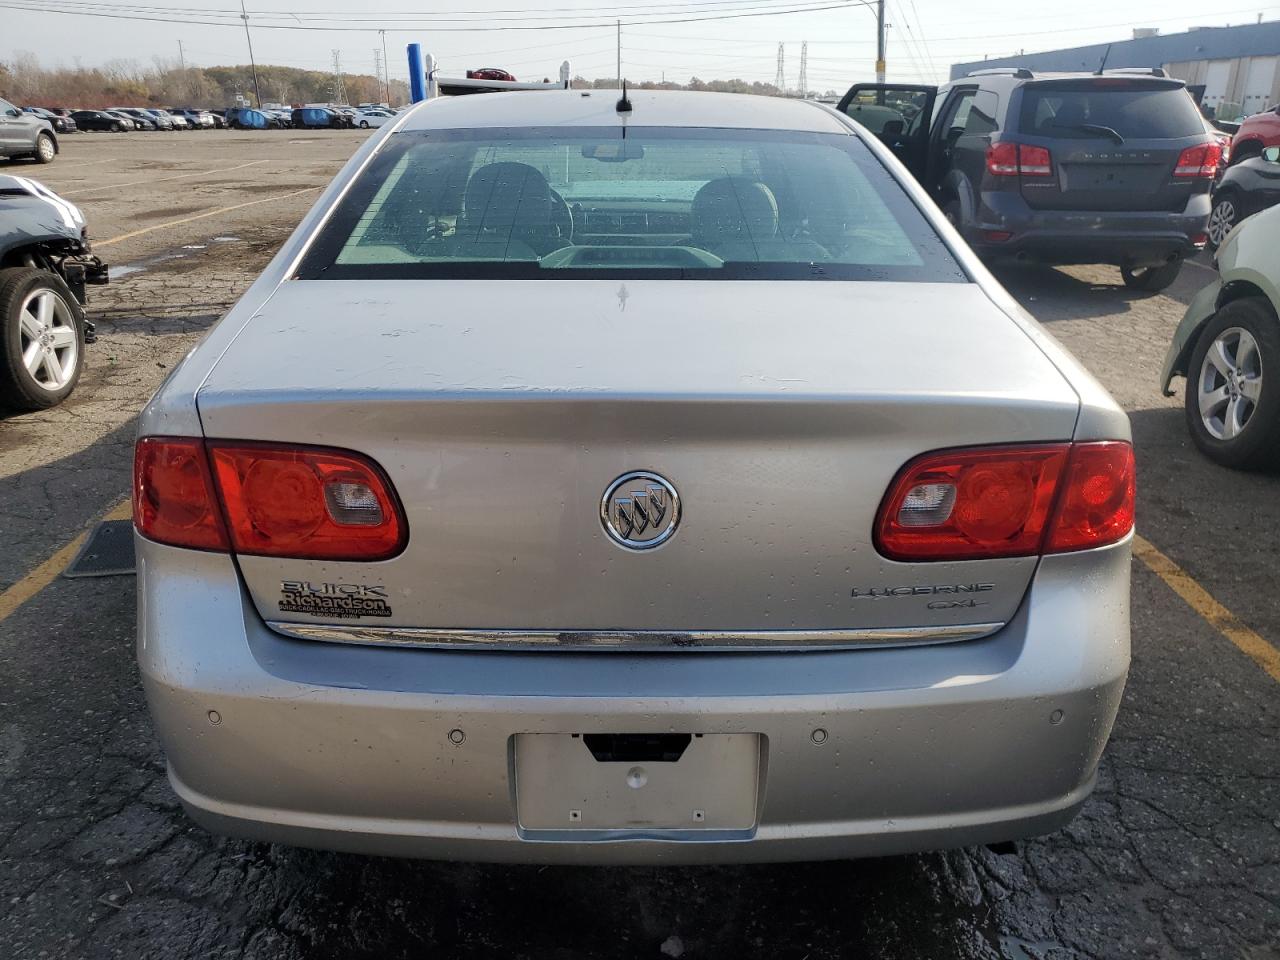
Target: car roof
column 598, row 108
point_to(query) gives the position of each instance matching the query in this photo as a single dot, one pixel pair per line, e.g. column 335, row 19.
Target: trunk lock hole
column 637, row 747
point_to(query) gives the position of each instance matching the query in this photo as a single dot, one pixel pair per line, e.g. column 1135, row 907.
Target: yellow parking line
column 200, row 216
column 1219, row 617
column 181, row 176
column 47, row 572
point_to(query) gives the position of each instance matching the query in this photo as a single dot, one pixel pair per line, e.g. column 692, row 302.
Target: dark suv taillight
column 1008, row 159
column 1199, row 161
column 1012, row 501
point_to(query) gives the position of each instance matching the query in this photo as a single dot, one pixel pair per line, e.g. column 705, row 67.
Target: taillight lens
column 1034, row 161
column 1009, row 501
column 306, row 502
column 1008, row 159
column 1097, row 501
column 1002, row 159
column 1199, row 161
column 173, row 496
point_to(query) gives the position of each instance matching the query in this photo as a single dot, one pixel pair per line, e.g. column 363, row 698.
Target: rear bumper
column 349, row 748
column 1138, row 238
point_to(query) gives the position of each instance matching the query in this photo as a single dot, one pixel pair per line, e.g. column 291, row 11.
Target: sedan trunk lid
column 780, row 412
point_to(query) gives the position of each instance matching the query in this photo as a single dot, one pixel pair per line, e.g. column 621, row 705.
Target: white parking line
column 181, row 176
column 86, row 163
column 202, row 216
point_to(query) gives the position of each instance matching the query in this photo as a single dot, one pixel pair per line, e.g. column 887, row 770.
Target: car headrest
column 733, row 209
column 507, row 197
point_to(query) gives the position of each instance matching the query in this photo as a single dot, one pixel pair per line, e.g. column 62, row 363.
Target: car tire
column 1151, row 279
column 1226, row 213
column 56, row 373
column 364, row 124
column 1240, row 432
column 46, row 149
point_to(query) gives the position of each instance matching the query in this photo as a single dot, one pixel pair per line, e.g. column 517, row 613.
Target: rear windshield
column 1135, row 111
column 655, row 203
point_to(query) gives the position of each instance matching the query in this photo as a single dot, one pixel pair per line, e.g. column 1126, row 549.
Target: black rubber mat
column 108, row 552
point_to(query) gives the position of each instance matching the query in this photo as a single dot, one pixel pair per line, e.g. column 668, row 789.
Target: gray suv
column 26, row 135
column 1114, row 167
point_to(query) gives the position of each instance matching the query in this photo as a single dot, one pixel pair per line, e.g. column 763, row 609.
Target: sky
column 924, row 36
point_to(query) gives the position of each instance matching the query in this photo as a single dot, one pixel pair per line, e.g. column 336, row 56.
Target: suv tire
column 1224, row 215
column 25, row 292
column 46, row 149
column 1151, row 279
column 1256, row 445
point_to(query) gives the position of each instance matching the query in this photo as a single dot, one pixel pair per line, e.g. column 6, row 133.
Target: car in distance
column 1256, row 133
column 45, row 263
column 364, row 119
column 1228, row 338
column 60, row 123
column 98, row 120
column 318, row 118
column 146, row 119
column 1058, row 168
column 25, row 135
column 1246, row 187
column 495, row 586
column 138, row 123
column 196, row 119
column 179, row 122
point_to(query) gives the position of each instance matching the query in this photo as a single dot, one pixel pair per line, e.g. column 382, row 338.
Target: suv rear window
column 1137, row 111
column 651, row 203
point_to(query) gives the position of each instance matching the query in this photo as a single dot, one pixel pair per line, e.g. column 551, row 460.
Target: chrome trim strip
column 635, row 640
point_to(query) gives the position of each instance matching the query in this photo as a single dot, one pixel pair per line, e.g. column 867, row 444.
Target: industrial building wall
column 1233, row 88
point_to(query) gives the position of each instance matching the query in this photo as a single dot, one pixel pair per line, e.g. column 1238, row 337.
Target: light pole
column 252, row 63
column 880, row 41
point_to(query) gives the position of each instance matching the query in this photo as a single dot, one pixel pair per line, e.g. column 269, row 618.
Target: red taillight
column 1007, row 159
column 1002, row 159
column 1097, row 501
column 173, row 498
column 1010, row 501
column 306, row 502
column 1199, row 161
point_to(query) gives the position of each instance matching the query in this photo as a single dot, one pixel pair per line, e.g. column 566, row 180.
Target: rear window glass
column 657, row 203
column 1136, row 112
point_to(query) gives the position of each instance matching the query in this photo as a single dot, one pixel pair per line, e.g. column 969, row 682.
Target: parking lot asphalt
column 1176, row 855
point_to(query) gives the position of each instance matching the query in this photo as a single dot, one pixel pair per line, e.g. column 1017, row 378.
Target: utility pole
column 386, row 68
column 619, row 54
column 182, row 59
column 780, row 78
column 804, row 68
column 252, row 63
column 880, row 41
column 377, row 70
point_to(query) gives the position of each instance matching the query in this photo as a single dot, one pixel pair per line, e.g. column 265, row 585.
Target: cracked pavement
column 1176, row 855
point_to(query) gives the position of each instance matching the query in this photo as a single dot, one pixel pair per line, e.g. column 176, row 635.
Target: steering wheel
column 561, row 217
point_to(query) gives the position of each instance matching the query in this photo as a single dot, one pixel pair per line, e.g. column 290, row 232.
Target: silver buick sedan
column 656, row 480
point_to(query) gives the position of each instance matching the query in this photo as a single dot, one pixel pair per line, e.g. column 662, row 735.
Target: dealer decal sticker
column 344, row 600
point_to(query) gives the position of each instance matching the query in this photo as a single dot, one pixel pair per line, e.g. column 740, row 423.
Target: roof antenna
column 624, row 105
column 1102, row 66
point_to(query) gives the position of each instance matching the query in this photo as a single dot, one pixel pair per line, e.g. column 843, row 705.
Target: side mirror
column 1271, row 154
column 893, row 128
column 14, row 112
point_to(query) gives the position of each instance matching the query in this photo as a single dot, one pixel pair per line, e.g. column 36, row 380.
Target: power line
column 528, row 21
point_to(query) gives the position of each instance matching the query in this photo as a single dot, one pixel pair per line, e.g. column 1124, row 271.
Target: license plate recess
column 562, row 786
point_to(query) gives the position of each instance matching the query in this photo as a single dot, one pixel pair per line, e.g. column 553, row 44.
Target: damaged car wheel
column 41, row 339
